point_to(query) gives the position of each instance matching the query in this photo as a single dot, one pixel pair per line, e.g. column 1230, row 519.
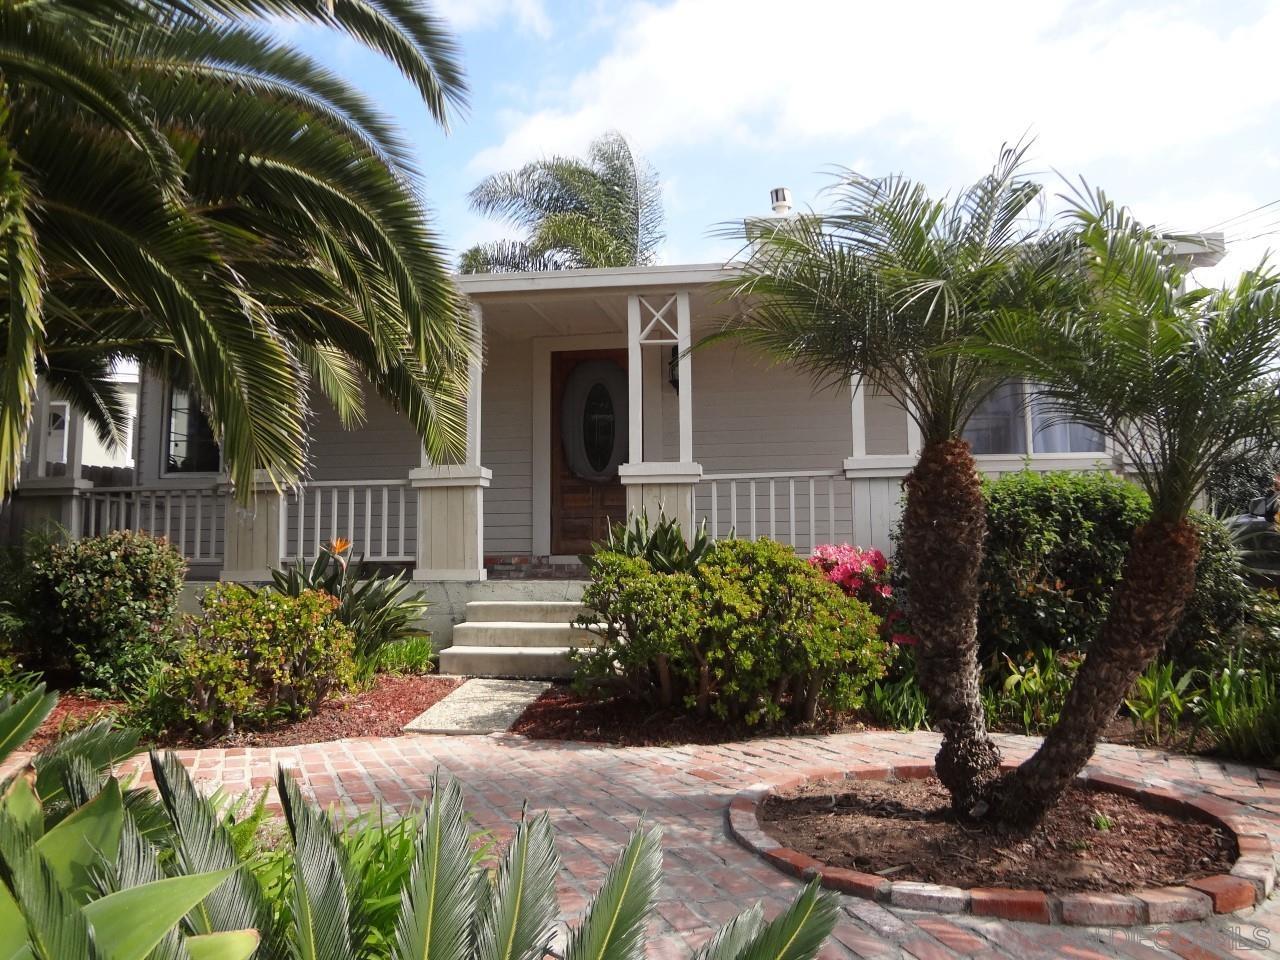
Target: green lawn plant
column 378, row 608
column 88, row 884
column 1161, row 698
column 1239, row 709
column 661, row 544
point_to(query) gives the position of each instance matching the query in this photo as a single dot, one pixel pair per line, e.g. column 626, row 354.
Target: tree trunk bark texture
column 1159, row 578
column 944, row 523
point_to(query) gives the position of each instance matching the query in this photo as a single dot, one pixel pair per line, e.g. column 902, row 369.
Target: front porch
column 720, row 436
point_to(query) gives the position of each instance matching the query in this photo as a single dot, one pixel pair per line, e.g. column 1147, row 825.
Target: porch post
column 451, row 496
column 654, row 486
column 254, row 538
column 46, row 500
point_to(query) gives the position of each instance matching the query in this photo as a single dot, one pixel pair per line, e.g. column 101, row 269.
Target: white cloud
column 482, row 14
column 1092, row 80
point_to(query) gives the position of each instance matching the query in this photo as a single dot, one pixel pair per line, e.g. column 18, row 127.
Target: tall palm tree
column 1178, row 378
column 182, row 189
column 885, row 287
column 605, row 211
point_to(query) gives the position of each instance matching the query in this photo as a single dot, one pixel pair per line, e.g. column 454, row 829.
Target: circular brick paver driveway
column 596, row 795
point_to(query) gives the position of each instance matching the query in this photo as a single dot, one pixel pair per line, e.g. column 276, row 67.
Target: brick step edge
column 1250, row 882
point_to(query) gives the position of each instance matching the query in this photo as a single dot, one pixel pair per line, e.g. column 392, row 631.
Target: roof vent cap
column 780, row 198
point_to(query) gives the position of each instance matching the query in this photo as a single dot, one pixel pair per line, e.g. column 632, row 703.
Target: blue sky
column 1173, row 106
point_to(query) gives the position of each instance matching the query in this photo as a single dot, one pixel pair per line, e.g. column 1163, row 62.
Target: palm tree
column 91, row 884
column 605, row 211
column 1179, row 379
column 183, row 190
column 885, row 287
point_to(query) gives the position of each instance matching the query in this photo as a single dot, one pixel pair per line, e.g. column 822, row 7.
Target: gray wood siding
column 750, row 415
column 384, row 447
column 506, row 446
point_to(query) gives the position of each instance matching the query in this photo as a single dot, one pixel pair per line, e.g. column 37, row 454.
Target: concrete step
column 526, row 589
column 500, row 633
column 520, row 662
column 523, row 611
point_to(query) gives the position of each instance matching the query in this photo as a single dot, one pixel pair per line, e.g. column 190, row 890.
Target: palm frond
column 521, row 908
column 437, row 904
column 614, row 926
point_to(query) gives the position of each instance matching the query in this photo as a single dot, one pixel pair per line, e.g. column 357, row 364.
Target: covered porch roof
column 562, row 302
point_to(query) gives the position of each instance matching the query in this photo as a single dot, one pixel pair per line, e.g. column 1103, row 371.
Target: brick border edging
column 1251, row 880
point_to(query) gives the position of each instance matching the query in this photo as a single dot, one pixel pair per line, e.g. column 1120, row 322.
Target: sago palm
column 184, row 190
column 88, row 884
column 1178, row 378
column 885, row 287
column 605, row 211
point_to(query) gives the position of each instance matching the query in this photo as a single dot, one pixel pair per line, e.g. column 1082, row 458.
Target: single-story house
column 584, row 407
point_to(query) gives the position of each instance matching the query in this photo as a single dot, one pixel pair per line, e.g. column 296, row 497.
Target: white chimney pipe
column 780, row 197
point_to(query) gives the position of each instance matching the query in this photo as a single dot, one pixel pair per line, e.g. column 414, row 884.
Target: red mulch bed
column 561, row 714
column 72, row 712
column 904, row 830
column 380, row 711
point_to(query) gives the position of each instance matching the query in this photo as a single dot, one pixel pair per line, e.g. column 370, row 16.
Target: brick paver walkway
column 596, row 795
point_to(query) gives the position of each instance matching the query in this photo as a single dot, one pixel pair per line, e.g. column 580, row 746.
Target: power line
column 1239, row 218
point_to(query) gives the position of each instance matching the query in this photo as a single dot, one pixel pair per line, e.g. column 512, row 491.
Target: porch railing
column 192, row 520
column 802, row 508
column 379, row 517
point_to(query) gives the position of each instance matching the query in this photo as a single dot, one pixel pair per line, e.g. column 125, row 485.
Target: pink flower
column 904, row 639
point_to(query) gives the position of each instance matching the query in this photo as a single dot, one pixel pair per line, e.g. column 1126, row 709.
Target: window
column 1000, row 426
column 997, row 425
column 192, row 448
column 56, row 446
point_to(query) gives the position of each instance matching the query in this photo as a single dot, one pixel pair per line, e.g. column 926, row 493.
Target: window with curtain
column 1050, row 433
column 192, row 448
column 999, row 426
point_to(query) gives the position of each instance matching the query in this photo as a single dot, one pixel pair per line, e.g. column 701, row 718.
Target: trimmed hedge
column 1056, row 547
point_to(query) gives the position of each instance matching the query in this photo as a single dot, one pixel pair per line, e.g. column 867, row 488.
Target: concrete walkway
column 596, row 795
column 478, row 706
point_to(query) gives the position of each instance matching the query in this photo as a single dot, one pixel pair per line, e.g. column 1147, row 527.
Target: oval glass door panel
column 598, row 423
column 594, row 420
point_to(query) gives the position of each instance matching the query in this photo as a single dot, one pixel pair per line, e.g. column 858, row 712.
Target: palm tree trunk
column 1159, row 577
column 943, row 526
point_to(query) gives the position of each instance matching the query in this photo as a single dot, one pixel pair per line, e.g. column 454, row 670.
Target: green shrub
column 252, row 658
column 1056, row 547
column 102, row 606
column 752, row 634
column 90, row 869
column 1056, row 543
column 1160, row 699
column 376, row 608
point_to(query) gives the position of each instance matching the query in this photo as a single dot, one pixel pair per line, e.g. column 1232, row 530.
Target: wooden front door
column 588, row 442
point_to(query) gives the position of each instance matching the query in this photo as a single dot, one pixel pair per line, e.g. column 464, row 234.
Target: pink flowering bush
column 864, row 575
